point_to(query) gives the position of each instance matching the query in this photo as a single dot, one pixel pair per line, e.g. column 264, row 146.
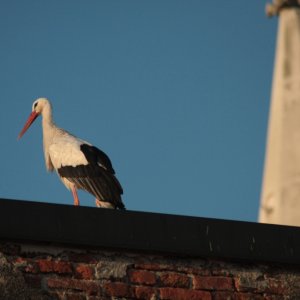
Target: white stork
column 78, row 164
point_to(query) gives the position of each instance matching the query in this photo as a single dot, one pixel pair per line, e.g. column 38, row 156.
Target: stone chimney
column 280, row 198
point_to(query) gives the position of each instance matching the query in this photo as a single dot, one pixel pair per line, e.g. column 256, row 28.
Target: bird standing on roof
column 78, row 164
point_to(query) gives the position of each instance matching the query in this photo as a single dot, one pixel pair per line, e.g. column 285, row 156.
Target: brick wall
column 48, row 271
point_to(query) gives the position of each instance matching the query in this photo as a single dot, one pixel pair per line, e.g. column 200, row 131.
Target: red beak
column 30, row 120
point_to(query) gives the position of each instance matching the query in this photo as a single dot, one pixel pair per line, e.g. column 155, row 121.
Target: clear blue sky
column 175, row 92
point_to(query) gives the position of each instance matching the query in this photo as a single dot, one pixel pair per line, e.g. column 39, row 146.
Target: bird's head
column 38, row 107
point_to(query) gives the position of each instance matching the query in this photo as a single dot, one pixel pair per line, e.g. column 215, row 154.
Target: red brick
column 84, row 272
column 142, row 277
column 145, row 292
column 45, row 265
column 90, row 287
column 118, row 289
column 213, row 283
column 183, row 294
column 174, row 280
column 61, row 267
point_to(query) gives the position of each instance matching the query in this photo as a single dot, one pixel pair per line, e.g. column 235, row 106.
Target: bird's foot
column 103, row 204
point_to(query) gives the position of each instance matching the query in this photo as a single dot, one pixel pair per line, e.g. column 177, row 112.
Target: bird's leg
column 75, row 196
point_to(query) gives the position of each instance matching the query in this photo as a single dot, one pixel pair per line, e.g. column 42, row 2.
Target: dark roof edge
column 151, row 232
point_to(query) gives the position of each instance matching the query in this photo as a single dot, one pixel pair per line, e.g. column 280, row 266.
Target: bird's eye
column 35, row 104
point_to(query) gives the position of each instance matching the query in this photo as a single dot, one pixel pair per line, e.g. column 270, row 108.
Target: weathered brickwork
column 64, row 273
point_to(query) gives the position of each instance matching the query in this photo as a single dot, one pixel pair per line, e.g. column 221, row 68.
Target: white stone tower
column 280, row 199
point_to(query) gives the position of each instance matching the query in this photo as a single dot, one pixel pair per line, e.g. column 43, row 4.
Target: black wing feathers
column 97, row 177
column 94, row 155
